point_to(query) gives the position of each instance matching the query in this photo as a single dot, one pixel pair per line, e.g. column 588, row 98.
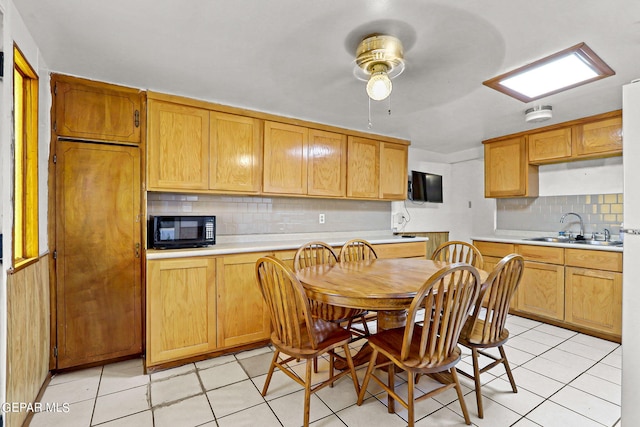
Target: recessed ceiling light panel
column 558, row 72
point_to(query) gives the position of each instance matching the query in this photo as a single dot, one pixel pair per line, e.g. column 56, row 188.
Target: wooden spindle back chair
column 485, row 327
column 458, row 251
column 296, row 333
column 429, row 346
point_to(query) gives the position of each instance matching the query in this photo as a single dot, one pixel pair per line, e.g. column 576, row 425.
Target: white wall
column 14, row 30
column 463, row 185
column 464, row 211
column 601, row 176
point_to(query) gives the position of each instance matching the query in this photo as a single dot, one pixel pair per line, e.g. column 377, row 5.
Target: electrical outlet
column 321, row 219
column 399, row 218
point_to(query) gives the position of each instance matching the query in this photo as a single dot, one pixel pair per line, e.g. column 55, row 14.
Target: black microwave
column 175, row 232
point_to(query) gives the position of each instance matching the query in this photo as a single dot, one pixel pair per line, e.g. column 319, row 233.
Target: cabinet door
column 594, row 299
column 506, row 169
column 541, row 290
column 363, row 168
column 600, row 138
column 327, row 167
column 98, row 270
column 181, row 308
column 178, row 147
column 235, row 153
column 550, row 146
column 243, row 317
column 96, row 111
column 393, row 171
column 285, row 158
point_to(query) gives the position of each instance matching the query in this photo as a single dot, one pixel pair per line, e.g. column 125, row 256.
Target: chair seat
column 472, row 333
column 333, row 312
column 389, row 343
column 329, row 335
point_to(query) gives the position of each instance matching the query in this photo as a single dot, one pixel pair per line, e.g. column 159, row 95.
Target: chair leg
column 315, row 365
column 270, row 374
column 307, row 393
column 508, row 369
column 463, row 405
column 363, row 319
column 352, row 368
column 332, row 359
column 367, row 376
column 476, row 377
column 410, row 398
column 391, row 374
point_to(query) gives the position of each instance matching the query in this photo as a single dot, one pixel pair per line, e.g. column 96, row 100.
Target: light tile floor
column 564, row 379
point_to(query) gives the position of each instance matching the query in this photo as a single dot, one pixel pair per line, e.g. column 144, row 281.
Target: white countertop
column 520, row 237
column 259, row 243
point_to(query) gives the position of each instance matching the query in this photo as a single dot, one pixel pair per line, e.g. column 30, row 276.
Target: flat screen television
column 425, row 187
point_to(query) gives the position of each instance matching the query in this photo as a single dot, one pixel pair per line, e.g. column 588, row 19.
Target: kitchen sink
column 557, row 239
column 561, row 239
column 598, row 242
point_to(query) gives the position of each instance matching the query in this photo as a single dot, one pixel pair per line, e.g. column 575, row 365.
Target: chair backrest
column 447, row 297
column 458, row 251
column 287, row 302
column 314, row 253
column 357, row 250
column 497, row 292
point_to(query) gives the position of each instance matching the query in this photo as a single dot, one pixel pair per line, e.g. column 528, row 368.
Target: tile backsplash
column 236, row 215
column 598, row 211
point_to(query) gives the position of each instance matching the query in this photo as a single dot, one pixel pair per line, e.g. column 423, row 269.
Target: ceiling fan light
column 379, row 86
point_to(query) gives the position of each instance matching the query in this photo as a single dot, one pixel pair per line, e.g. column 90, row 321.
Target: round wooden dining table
column 386, row 286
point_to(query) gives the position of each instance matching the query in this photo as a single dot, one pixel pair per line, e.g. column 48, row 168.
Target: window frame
column 25, row 156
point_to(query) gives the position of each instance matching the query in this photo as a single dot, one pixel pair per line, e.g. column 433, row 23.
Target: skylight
column 558, row 72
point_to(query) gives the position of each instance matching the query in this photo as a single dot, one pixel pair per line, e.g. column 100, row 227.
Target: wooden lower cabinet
column 563, row 286
column 436, row 238
column 401, row 250
column 242, row 315
column 541, row 290
column 594, row 299
column 181, row 308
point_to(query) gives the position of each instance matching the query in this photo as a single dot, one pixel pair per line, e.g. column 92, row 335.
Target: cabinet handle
column 136, row 118
column 137, row 252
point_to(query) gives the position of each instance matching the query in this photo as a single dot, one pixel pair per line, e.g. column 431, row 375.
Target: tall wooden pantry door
column 98, row 249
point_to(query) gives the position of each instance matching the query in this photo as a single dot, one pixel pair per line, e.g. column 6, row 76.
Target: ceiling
column 296, row 59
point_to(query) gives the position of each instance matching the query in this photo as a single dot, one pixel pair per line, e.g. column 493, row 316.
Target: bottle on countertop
column 621, row 232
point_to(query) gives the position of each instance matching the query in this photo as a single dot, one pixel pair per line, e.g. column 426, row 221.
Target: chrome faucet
column 579, row 217
column 607, row 235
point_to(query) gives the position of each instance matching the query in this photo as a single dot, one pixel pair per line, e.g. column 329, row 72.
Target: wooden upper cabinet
column 549, row 146
column 393, row 171
column 178, row 147
column 507, row 172
column 285, row 158
column 235, row 153
column 363, row 168
column 600, row 139
column 327, row 164
column 95, row 111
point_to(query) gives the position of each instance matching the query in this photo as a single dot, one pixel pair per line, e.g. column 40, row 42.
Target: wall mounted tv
column 425, row 187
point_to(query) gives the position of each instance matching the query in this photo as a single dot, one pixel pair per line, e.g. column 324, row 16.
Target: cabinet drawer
column 541, row 253
column 401, row 250
column 601, row 260
column 494, row 249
